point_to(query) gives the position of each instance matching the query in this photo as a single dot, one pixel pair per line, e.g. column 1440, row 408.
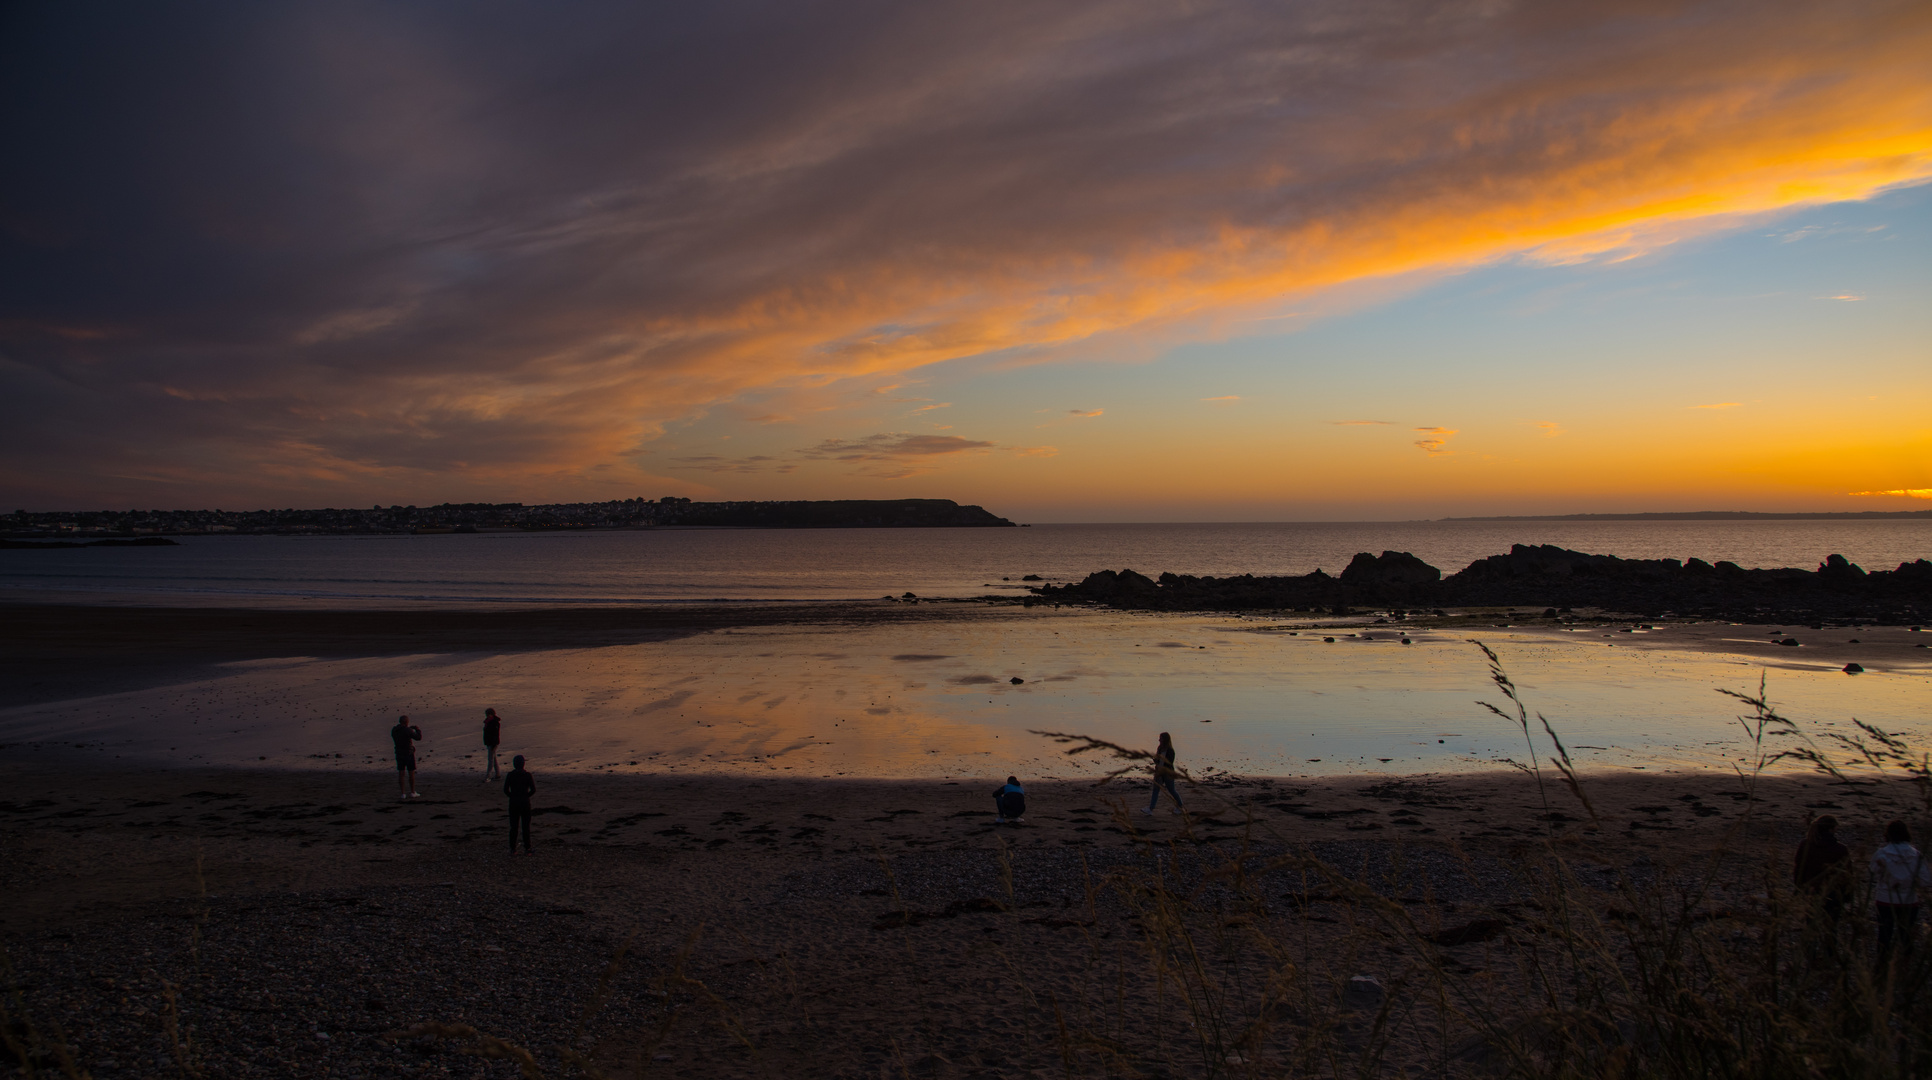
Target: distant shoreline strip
column 1717, row 515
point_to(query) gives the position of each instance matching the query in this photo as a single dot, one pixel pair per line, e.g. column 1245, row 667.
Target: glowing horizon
column 1111, row 262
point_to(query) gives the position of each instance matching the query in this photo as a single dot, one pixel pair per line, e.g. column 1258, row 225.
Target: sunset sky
column 1120, row 261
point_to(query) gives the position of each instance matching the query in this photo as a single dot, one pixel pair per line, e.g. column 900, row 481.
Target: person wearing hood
column 1898, row 873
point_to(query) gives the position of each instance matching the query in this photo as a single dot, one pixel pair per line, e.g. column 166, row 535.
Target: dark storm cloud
column 293, row 252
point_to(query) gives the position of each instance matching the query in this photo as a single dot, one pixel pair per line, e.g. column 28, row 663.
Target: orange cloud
column 1224, row 399
column 1086, row 414
column 1550, row 429
column 1719, row 405
column 1434, row 438
column 1910, row 493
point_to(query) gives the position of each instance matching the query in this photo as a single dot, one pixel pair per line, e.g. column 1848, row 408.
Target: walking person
column 1164, row 775
column 492, row 736
column 520, row 786
column 406, row 735
column 1898, row 873
column 1009, row 802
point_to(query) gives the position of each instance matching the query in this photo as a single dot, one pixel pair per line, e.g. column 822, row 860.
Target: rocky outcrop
column 1540, row 577
column 1390, row 568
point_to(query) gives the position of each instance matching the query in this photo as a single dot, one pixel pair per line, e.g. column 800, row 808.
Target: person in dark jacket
column 1820, row 869
column 405, row 735
column 520, row 787
column 492, row 737
column 1009, row 802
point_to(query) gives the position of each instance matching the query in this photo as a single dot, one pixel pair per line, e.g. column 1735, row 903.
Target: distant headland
column 1716, row 515
column 670, row 512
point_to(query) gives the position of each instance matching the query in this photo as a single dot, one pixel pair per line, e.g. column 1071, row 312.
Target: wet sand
column 49, row 652
column 940, row 691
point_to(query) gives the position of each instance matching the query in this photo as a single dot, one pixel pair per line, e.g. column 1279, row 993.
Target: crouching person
column 1009, row 802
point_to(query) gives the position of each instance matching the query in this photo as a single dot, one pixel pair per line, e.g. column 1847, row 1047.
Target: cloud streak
column 496, row 251
column 1434, row 439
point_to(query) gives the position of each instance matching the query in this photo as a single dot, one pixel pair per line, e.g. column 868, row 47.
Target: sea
column 1253, row 694
column 805, row 565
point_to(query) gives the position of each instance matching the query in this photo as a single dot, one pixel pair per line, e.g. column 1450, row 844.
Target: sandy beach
column 723, row 916
column 297, row 923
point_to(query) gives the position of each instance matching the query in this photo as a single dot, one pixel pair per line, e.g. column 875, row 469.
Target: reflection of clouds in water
column 777, row 699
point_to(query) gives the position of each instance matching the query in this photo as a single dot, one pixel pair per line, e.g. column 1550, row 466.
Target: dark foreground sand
column 242, row 923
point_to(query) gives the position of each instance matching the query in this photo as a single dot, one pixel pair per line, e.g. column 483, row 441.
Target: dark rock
column 1853, row 669
column 1031, row 577
column 1016, row 680
column 1548, row 560
column 1389, row 568
column 1546, row 578
column 1838, row 568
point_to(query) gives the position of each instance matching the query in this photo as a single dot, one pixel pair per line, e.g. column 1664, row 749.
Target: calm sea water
column 808, row 565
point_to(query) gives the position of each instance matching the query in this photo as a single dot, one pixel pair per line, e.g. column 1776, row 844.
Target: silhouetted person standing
column 406, row 735
column 520, row 786
column 1164, row 775
column 492, row 737
column 1898, row 873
